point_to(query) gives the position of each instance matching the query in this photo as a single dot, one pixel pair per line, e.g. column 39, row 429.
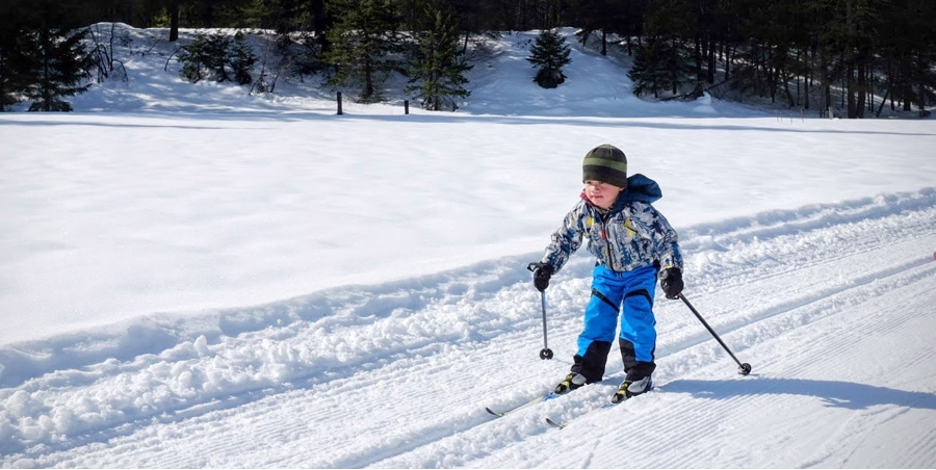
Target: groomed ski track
column 832, row 305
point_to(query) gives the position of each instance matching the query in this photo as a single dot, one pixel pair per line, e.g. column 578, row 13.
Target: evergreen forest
column 851, row 56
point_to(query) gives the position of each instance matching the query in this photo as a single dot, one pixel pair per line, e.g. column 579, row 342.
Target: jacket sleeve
column 567, row 239
column 667, row 245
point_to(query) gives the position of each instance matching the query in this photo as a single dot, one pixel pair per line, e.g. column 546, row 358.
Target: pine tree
column 241, row 59
column 649, row 71
column 663, row 61
column 216, row 57
column 11, row 77
column 361, row 46
column 548, row 55
column 439, row 66
column 204, row 58
column 57, row 67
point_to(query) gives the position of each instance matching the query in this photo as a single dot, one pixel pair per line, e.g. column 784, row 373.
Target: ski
column 563, row 424
column 538, row 399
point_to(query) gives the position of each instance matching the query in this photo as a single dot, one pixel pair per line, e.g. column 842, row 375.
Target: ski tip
column 495, row 413
column 555, row 424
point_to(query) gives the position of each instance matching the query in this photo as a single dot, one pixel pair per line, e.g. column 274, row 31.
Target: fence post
column 339, row 103
column 406, row 106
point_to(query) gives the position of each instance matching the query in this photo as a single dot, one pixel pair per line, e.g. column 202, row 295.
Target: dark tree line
column 803, row 54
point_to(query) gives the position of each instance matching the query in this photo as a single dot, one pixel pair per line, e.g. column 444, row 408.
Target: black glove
column 541, row 274
column 671, row 282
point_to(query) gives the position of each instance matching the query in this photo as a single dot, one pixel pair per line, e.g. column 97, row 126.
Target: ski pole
column 743, row 369
column 545, row 353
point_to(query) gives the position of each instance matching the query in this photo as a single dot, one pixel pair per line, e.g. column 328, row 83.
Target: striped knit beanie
column 605, row 163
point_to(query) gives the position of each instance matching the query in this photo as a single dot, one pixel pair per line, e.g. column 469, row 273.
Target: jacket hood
column 639, row 189
column 642, row 189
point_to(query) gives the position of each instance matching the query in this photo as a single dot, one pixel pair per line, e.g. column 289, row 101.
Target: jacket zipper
column 604, row 238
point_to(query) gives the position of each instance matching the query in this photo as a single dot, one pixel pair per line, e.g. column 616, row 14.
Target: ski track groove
column 751, row 319
column 823, row 304
column 818, row 306
column 374, row 457
column 679, row 356
column 696, row 428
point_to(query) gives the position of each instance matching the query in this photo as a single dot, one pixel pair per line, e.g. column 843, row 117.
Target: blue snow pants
column 629, row 293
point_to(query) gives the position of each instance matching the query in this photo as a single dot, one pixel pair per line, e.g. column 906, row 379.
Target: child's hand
column 671, row 282
column 541, row 274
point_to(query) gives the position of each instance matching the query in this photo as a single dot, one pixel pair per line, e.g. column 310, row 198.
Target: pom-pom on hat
column 605, row 163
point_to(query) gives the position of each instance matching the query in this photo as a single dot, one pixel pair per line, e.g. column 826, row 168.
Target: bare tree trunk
column 883, row 102
column 710, row 74
column 174, row 20
column 320, row 23
column 922, row 89
column 728, row 55
column 862, row 85
column 850, row 89
column 698, row 57
column 807, row 83
column 520, row 26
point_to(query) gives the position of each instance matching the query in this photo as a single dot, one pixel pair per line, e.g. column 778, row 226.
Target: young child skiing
column 633, row 243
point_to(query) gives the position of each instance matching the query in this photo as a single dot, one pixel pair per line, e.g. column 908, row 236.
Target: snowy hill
column 191, row 276
column 596, row 86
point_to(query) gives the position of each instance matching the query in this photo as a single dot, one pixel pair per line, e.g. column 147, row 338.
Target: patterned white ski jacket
column 630, row 235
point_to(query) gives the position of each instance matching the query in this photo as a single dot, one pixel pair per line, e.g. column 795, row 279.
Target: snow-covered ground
column 194, row 277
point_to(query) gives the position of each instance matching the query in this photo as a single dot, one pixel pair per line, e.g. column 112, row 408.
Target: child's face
column 601, row 194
